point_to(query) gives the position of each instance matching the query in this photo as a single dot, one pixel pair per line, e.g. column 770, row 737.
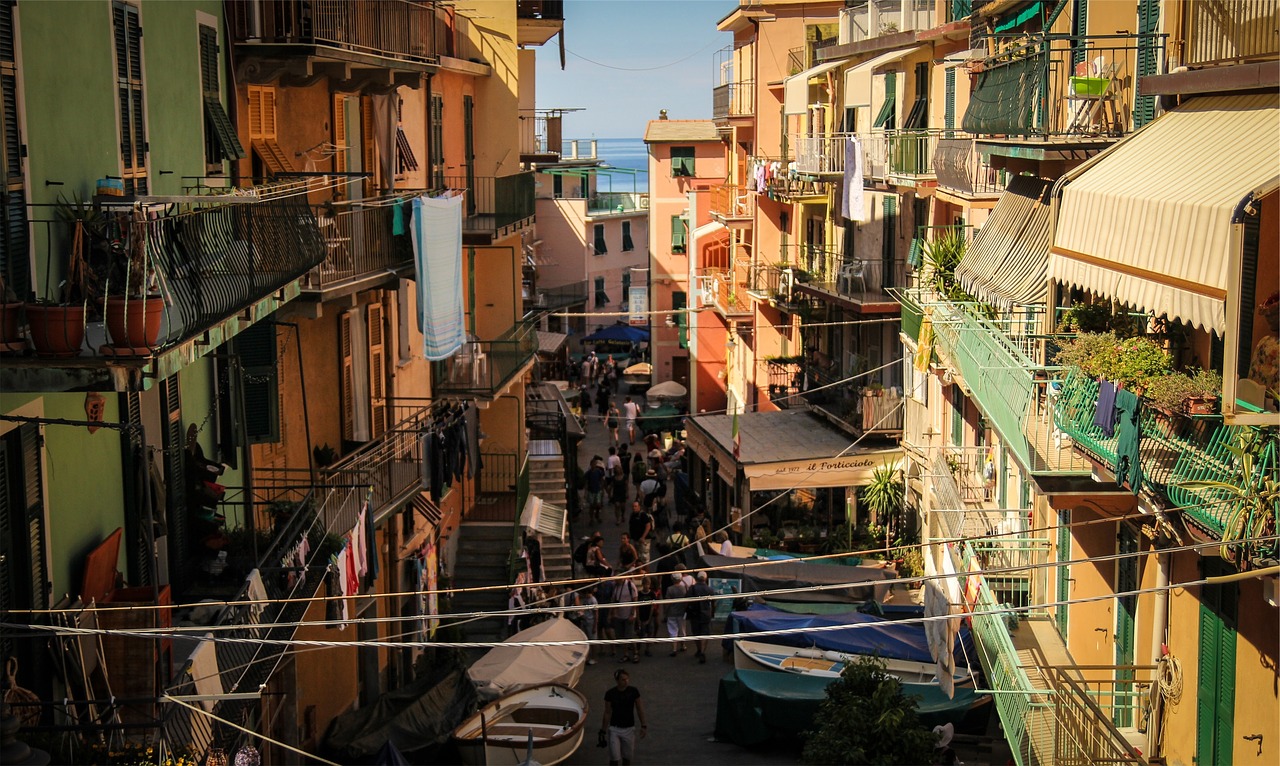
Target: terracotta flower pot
column 56, row 331
column 135, row 322
column 11, row 326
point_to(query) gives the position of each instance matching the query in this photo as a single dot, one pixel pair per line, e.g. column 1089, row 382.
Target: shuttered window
column 602, row 297
column 601, row 247
column 15, row 266
column 1144, row 107
column 262, row 130
column 918, row 117
column 378, row 408
column 220, row 141
column 130, row 98
column 24, row 573
column 682, row 164
column 1064, row 570
column 679, row 237
column 949, row 115
column 405, row 159
column 889, row 240
column 887, row 117
column 175, row 479
column 261, row 385
column 679, row 300
column 436, row 144
column 957, row 416
column 627, row 243
column 1126, row 616
column 469, row 149
column 369, row 149
column 626, row 286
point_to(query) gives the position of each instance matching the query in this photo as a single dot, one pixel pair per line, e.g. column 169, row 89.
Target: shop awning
column 1148, row 222
column 785, row 450
column 857, row 79
column 795, row 89
column 1007, row 263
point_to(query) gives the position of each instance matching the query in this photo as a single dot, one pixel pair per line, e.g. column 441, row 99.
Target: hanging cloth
column 1104, row 416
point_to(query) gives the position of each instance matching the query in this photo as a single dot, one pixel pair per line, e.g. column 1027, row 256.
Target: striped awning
column 857, row 79
column 795, row 89
column 1148, row 222
column 1007, row 263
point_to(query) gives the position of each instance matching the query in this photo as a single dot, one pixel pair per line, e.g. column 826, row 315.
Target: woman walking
column 611, row 424
column 602, row 403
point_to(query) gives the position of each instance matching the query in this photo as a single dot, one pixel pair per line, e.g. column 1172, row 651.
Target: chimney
column 662, row 114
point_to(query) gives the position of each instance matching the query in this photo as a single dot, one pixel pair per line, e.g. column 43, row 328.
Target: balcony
column 781, row 183
column 213, row 270
column 732, row 205
column 541, row 138
column 963, row 170
column 820, row 155
column 725, row 290
column 483, row 369
column 495, row 207
column 733, row 99
column 999, row 364
column 551, row 298
column 617, row 203
column 1177, row 448
column 1246, row 34
column 538, row 21
column 360, row 250
column 358, row 42
column 1074, row 89
column 869, row 19
column 861, row 284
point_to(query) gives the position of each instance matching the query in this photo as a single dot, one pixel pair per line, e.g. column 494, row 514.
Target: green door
column 1216, row 690
column 1064, row 570
column 1126, row 609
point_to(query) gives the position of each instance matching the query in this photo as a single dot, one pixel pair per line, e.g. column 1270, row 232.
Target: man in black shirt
column 641, row 529
column 621, row 706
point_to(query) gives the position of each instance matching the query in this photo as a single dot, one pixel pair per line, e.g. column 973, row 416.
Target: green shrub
column 867, row 718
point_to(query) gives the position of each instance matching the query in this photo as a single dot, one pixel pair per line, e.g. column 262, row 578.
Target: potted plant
column 57, row 322
column 10, row 319
column 1205, row 393
column 134, row 313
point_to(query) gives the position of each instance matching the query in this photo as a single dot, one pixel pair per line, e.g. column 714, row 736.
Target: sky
column 626, row 59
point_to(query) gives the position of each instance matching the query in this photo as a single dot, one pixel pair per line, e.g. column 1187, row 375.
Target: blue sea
column 629, row 153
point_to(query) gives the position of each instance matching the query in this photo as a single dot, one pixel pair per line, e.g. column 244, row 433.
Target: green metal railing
column 485, row 367
column 1175, row 449
column 515, row 563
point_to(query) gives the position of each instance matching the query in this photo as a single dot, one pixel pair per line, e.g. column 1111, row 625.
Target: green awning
column 1030, row 12
column 1006, row 99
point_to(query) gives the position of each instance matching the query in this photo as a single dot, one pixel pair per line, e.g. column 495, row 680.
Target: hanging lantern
column 217, row 757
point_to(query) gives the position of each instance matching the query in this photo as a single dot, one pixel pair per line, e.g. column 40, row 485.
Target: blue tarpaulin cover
column 620, row 332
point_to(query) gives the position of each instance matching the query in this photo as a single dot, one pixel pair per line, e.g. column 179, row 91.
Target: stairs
column 483, row 558
column 547, row 481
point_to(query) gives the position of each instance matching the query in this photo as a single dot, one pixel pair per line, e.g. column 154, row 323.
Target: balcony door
column 1126, row 613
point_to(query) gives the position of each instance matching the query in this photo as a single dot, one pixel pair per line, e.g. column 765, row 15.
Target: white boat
column 504, row 669
column 552, row 716
column 758, row 655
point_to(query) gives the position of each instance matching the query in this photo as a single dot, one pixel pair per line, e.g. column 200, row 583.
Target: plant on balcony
column 57, row 320
column 941, row 257
column 1252, row 496
column 1134, row 362
column 1086, row 317
column 134, row 309
column 883, row 497
column 1196, row 393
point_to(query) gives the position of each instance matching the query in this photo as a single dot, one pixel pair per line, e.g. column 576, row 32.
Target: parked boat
column 499, row 734
column 826, row 663
column 504, row 669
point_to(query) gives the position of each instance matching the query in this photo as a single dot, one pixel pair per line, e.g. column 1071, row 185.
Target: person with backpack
column 641, row 528
column 674, row 610
column 626, row 594
column 700, row 613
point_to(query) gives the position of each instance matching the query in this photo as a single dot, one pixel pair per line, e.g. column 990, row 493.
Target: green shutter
column 679, row 237
column 257, row 350
column 602, row 297
column 436, row 144
column 682, row 164
column 949, row 115
column 889, row 236
column 175, row 479
column 1126, row 613
column 1144, row 107
column 1216, row 686
column 957, row 416
column 885, row 118
column 626, row 286
column 1064, row 570
column 1248, row 289
column 627, row 243
column 679, row 301
column 220, row 140
column 601, row 247
column 469, row 149
column 1079, row 28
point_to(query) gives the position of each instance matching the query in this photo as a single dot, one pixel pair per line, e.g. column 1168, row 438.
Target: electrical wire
column 250, row 732
column 643, row 69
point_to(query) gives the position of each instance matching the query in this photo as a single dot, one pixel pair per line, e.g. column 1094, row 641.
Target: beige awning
column 857, row 79
column 1148, row 222
column 1006, row 263
column 795, row 89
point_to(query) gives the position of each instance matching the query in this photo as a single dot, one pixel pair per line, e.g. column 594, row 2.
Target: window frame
column 601, row 296
column 130, row 87
column 680, row 244
column 683, row 165
column 15, row 257
column 221, row 144
column 600, row 245
column 628, row 244
column 626, row 287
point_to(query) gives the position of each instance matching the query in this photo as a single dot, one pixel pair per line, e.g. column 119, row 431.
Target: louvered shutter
column 1126, row 613
column 1144, row 107
column 24, row 575
column 469, row 149
column 14, row 263
column 377, row 371
column 627, row 243
column 260, row 386
column 220, row 140
column 175, row 477
column 1248, row 289
column 127, row 35
column 949, row 116
column 340, row 133
column 889, row 241
column 436, row 146
column 370, row 148
column 348, row 377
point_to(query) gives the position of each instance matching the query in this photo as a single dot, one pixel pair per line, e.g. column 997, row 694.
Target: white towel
column 256, row 592
column 204, row 670
column 852, row 204
column 437, row 251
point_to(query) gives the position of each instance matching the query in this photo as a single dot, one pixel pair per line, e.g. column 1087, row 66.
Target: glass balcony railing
column 1176, row 449
column 605, row 203
column 485, row 368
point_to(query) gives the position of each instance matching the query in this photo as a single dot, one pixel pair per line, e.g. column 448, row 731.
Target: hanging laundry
column 1129, row 440
column 359, row 549
column 853, row 201
column 1104, row 416
column 437, row 248
column 335, row 606
column 371, row 541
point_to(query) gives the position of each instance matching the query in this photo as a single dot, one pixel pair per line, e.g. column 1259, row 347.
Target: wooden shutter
column 348, row 377
column 262, row 130
column 1079, row 28
column 175, row 477
column 14, row 264
column 1144, row 107
column 127, row 35
column 1126, row 615
column 889, row 239
column 1216, row 685
column 261, row 385
column 1064, row 570
column 436, row 145
column 24, row 576
column 627, row 243
column 220, row 140
column 377, row 372
column 601, row 247
column 679, row 300
column 626, row 286
column 1248, row 291
column 949, row 115
column 340, row 133
column 469, row 150
column 370, row 147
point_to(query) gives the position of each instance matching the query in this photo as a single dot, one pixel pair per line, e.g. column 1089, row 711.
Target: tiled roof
column 669, row 131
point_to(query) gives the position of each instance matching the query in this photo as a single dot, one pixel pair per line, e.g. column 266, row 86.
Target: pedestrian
column 649, row 487
column 611, row 423
column 641, row 528
column 517, row 619
column 584, row 401
column 674, row 612
column 699, row 525
column 638, row 471
column 625, row 594
column 597, row 565
column 622, row 706
column 590, row 618
column 627, row 554
column 725, row 548
column 602, row 403
column 630, row 411
column 700, row 613
column 595, row 488
column 604, row 626
column 647, row 612
column 618, row 493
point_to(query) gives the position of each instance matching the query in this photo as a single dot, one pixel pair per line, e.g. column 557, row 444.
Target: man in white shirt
column 630, row 410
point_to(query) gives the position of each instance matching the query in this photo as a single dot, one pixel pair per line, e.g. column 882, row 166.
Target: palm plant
column 1252, row 497
column 883, row 497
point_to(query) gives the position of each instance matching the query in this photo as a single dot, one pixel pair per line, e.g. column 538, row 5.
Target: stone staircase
column 547, row 481
column 483, row 559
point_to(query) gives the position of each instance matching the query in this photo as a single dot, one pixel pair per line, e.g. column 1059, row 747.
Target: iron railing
column 548, row 298
column 1212, row 36
column 726, row 289
column 359, row 242
column 495, row 205
column 961, row 168
column 395, row 29
column 1175, row 449
column 868, row 19
column 486, row 367
column 733, row 99
column 546, row 10
column 1084, row 711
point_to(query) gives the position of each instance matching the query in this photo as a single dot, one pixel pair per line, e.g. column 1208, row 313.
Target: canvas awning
column 795, row 89
column 1007, row 262
column 551, row 342
column 857, row 79
column 1148, row 222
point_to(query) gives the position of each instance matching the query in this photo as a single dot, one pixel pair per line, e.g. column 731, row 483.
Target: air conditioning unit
column 707, row 290
column 786, row 283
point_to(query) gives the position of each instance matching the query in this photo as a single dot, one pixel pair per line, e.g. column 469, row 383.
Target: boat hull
column 498, row 734
column 758, row 655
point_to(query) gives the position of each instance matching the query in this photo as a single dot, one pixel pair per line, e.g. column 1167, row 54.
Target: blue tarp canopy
column 874, row 635
column 619, row 332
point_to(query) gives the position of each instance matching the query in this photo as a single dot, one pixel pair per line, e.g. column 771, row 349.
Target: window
column 557, row 185
column 626, row 286
column 627, row 243
column 918, row 117
column 889, row 240
column 405, row 159
column 127, row 32
column 14, row 266
column 886, row 118
column 679, row 237
column 24, row 570
column 682, row 162
column 601, row 247
column 949, row 115
column 220, row 141
column 436, row 146
column 679, row 300
column 262, row 130
column 257, row 349
column 469, row 150
column 957, row 416
column 602, row 298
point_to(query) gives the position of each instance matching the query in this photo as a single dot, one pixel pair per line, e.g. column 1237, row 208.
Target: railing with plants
column 359, row 241
column 725, row 287
column 876, row 18
column 485, row 367
column 398, row 29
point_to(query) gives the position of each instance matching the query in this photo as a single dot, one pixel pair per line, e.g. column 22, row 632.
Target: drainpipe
column 1160, row 618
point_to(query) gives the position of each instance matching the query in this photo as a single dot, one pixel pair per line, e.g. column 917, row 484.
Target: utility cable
column 250, row 732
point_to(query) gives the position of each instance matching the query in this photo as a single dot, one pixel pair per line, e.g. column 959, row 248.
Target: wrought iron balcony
column 732, row 204
column 549, row 298
column 396, row 33
column 361, row 249
column 961, row 169
column 485, row 368
column 733, row 99
column 1176, row 449
column 495, row 206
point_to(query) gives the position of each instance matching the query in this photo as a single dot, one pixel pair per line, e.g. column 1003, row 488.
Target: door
column 1126, row 613
column 1216, row 689
column 680, row 370
column 1064, row 570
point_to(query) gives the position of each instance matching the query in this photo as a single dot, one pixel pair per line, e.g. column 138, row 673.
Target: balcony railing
column 495, row 206
column 548, row 298
column 961, row 168
column 820, row 155
column 1177, row 448
column 732, row 203
column 1084, row 711
column 485, row 367
column 605, row 203
column 1247, row 33
column 868, row 19
column 1063, row 85
column 734, row 99
column 725, row 289
column 395, row 29
column 359, row 243
column 550, row 10
column 833, row 272
column 911, row 153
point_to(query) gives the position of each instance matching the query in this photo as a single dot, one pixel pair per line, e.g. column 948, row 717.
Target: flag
column 737, row 439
